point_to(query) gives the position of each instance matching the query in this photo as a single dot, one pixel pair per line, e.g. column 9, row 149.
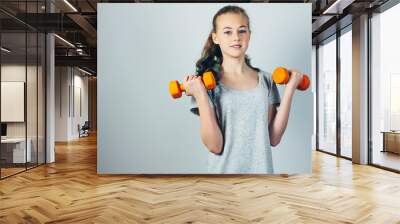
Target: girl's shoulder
column 264, row 73
column 266, row 76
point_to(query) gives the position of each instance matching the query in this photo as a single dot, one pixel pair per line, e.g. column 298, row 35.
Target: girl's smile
column 236, row 46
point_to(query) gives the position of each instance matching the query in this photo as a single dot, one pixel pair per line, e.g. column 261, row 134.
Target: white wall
column 69, row 84
column 79, row 117
column 61, row 103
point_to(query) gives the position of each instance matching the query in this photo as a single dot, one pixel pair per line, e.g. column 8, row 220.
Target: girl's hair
column 211, row 57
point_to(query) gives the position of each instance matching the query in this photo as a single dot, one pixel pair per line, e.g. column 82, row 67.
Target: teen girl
column 243, row 116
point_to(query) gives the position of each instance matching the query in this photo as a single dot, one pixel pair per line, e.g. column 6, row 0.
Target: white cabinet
column 18, row 149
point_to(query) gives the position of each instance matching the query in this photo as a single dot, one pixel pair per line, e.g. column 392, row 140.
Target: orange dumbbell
column 281, row 76
column 176, row 89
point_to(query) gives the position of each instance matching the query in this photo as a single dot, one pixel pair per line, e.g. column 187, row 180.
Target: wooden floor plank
column 70, row 191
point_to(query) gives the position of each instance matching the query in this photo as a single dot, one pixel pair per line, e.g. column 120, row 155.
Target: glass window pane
column 32, row 95
column 327, row 96
column 313, row 77
column 13, row 86
column 346, row 94
column 41, row 98
column 22, row 89
column 386, row 89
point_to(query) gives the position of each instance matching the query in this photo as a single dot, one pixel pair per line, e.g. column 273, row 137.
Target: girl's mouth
column 236, row 46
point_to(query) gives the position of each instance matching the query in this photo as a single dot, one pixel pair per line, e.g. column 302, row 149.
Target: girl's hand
column 295, row 77
column 194, row 86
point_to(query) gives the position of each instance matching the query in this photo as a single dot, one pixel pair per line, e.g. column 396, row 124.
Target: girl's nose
column 236, row 35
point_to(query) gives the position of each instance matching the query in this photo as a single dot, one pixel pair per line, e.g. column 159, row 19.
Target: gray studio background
column 141, row 47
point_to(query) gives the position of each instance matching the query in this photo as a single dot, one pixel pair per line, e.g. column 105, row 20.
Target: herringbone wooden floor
column 70, row 191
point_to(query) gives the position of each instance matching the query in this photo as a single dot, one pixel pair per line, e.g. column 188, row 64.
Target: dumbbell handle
column 182, row 87
column 176, row 88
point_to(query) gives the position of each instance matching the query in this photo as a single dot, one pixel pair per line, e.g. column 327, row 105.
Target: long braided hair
column 211, row 56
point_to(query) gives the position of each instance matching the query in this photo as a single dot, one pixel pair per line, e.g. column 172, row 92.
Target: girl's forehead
column 231, row 20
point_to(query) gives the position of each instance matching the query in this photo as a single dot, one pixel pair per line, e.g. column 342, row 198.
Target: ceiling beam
column 337, row 6
column 85, row 25
column 85, row 61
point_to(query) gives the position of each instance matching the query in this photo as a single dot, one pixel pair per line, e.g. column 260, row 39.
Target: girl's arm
column 210, row 132
column 278, row 119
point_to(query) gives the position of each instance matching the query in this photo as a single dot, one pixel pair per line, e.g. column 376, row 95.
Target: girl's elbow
column 215, row 148
column 275, row 142
column 213, row 143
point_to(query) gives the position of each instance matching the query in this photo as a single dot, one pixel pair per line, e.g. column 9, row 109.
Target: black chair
column 84, row 130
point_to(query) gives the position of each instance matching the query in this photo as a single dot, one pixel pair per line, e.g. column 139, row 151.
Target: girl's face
column 232, row 34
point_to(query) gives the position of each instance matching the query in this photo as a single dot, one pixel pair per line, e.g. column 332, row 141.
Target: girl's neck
column 234, row 66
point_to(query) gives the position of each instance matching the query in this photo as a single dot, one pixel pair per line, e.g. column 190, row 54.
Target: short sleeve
column 273, row 93
column 194, row 108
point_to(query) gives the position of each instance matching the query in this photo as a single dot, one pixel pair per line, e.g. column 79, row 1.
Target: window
column 385, row 89
column 346, row 92
column 327, row 96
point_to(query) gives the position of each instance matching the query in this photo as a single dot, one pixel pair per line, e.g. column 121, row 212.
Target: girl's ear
column 214, row 38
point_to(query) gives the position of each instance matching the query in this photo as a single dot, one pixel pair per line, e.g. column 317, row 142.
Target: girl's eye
column 242, row 31
column 227, row 32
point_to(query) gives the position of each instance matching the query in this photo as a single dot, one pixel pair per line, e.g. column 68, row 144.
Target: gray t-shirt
column 242, row 116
